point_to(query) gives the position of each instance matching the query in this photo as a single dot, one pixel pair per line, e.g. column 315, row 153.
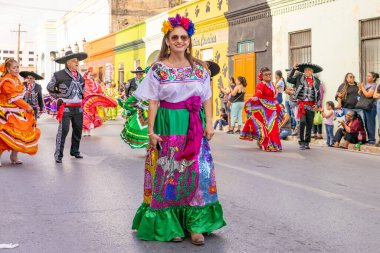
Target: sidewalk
column 322, row 143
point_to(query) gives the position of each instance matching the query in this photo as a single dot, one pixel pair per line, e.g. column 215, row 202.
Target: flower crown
column 171, row 23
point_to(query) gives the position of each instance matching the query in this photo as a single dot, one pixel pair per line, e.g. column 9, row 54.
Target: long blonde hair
column 164, row 55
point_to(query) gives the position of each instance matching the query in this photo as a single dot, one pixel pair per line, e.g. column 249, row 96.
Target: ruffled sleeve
column 13, row 95
column 149, row 88
column 207, row 86
column 259, row 90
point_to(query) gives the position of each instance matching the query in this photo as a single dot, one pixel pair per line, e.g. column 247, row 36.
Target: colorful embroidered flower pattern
column 165, row 74
column 171, row 23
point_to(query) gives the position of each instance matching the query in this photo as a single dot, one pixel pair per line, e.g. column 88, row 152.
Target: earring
column 188, row 50
column 169, row 50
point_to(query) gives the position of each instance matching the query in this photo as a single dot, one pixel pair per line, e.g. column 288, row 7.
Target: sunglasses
column 267, row 74
column 351, row 76
column 182, row 37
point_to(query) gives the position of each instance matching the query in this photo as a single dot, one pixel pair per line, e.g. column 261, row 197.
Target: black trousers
column 351, row 138
column 75, row 115
column 317, row 129
column 306, row 125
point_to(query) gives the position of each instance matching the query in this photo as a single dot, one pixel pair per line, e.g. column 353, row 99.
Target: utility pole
column 18, row 41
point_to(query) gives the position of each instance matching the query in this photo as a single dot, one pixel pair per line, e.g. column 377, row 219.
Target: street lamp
column 76, row 47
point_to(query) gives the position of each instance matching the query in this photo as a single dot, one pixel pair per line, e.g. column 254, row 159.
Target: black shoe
column 79, row 156
column 220, row 129
column 237, row 132
column 307, row 145
column 302, row 146
column 230, row 132
column 58, row 160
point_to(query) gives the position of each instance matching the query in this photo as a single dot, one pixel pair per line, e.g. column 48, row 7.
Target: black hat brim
column 213, row 67
column 80, row 56
column 315, row 67
column 137, row 71
column 25, row 74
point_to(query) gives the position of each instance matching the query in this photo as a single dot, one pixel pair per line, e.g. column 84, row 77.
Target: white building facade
column 27, row 55
column 88, row 21
column 154, row 37
column 340, row 35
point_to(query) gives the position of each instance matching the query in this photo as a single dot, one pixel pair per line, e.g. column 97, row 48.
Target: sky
column 30, row 14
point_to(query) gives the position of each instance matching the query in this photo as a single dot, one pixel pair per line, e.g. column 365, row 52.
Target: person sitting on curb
column 352, row 130
column 286, row 124
column 222, row 121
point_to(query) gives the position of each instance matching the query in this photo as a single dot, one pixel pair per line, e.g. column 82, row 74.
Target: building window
column 31, row 59
column 5, row 51
column 207, row 54
column 31, row 53
column 100, row 74
column 299, row 47
column 11, row 52
column 121, row 75
column 370, row 46
column 245, row 46
column 20, row 52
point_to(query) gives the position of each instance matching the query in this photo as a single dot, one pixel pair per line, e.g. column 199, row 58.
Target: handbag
column 364, row 103
column 318, row 119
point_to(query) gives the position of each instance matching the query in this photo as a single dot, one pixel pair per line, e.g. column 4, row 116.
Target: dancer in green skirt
column 180, row 193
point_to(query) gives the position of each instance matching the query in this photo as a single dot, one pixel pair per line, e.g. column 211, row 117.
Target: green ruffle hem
column 165, row 224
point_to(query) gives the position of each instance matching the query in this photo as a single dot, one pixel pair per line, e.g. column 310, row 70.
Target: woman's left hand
column 209, row 131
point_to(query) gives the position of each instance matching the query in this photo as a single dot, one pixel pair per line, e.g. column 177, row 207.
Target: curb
column 363, row 148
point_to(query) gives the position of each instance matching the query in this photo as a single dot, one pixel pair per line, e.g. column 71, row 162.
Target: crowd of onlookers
column 354, row 110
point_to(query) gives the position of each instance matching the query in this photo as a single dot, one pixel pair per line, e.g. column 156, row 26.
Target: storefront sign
column 204, row 40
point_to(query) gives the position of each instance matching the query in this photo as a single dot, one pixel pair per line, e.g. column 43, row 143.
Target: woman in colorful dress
column 265, row 115
column 135, row 130
column 179, row 186
column 50, row 105
column 93, row 98
column 111, row 92
column 18, row 132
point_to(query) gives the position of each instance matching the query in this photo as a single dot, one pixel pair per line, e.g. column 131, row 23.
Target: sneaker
column 302, row 146
column 237, row 132
column 230, row 132
column 307, row 145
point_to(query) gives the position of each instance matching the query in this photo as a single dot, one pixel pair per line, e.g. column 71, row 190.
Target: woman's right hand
column 154, row 139
column 295, row 66
column 30, row 109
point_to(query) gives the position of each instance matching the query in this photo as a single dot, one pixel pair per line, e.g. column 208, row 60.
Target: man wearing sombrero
column 308, row 95
column 132, row 84
column 33, row 91
column 67, row 86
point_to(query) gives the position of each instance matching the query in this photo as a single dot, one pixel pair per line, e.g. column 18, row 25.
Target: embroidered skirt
column 179, row 196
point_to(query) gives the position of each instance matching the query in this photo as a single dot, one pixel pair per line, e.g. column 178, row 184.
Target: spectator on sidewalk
column 292, row 105
column 366, row 91
column 222, row 121
column 280, row 85
column 352, row 130
column 237, row 104
column 286, row 126
column 377, row 96
column 347, row 94
column 227, row 96
column 328, row 120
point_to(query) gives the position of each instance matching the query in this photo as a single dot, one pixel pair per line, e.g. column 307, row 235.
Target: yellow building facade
column 129, row 51
column 210, row 41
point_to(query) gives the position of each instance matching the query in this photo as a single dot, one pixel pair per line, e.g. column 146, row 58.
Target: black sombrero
column 70, row 55
column 315, row 67
column 213, row 67
column 25, row 74
column 138, row 70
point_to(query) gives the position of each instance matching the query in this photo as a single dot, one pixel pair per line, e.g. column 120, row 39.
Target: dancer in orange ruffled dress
column 18, row 132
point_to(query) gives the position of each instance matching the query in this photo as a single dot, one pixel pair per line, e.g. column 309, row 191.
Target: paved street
column 322, row 200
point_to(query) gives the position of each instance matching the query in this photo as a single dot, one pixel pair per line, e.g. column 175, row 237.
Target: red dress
column 265, row 118
column 93, row 97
